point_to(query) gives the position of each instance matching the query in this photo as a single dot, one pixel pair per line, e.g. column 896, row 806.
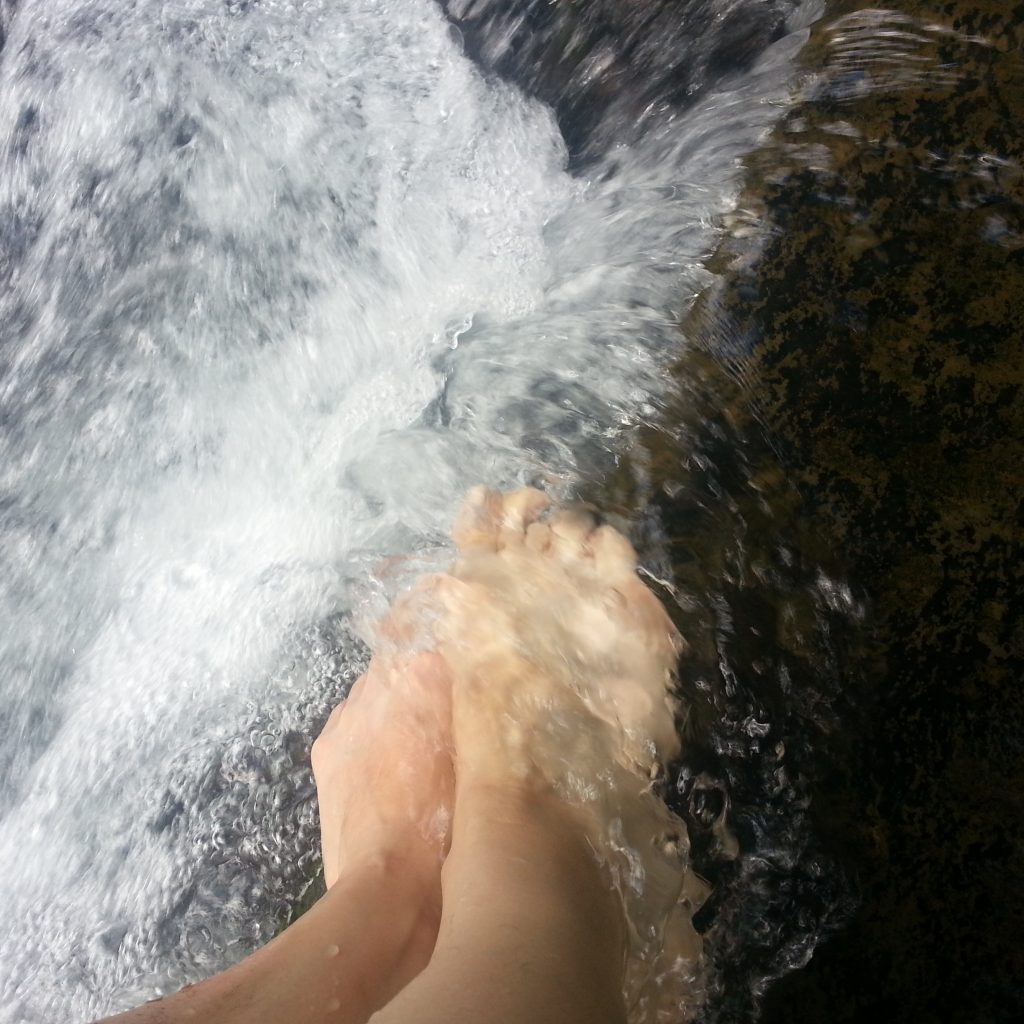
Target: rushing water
column 278, row 281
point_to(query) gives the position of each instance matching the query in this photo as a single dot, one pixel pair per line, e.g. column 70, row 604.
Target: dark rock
column 871, row 423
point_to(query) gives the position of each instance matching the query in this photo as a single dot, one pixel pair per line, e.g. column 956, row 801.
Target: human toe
column 520, row 509
column 478, row 521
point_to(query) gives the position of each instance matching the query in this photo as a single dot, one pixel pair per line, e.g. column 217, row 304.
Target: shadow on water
column 850, row 410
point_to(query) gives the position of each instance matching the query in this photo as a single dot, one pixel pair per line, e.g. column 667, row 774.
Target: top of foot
column 545, row 607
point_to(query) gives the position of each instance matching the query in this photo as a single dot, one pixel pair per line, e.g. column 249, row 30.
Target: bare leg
column 560, row 661
column 531, row 930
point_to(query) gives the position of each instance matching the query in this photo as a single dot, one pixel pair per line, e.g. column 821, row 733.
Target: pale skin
column 462, row 883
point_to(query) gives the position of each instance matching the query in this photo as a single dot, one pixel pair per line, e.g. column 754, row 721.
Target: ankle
column 522, row 838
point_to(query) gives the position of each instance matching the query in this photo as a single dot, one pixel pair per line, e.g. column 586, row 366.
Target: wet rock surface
column 851, row 411
column 610, row 68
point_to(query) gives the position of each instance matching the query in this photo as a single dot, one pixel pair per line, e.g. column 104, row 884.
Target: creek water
column 279, row 280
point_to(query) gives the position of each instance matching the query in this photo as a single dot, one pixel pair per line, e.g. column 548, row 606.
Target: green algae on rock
column 862, row 349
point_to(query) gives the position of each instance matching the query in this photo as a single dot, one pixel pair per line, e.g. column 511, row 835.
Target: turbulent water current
column 279, row 280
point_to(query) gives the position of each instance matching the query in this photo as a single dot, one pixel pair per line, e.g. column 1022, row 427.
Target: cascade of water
column 278, row 280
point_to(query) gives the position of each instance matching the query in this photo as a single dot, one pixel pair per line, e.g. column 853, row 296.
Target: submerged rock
column 852, row 399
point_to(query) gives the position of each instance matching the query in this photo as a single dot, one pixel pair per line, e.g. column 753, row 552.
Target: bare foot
column 548, row 673
column 383, row 766
column 548, row 620
column 562, row 663
column 384, row 776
